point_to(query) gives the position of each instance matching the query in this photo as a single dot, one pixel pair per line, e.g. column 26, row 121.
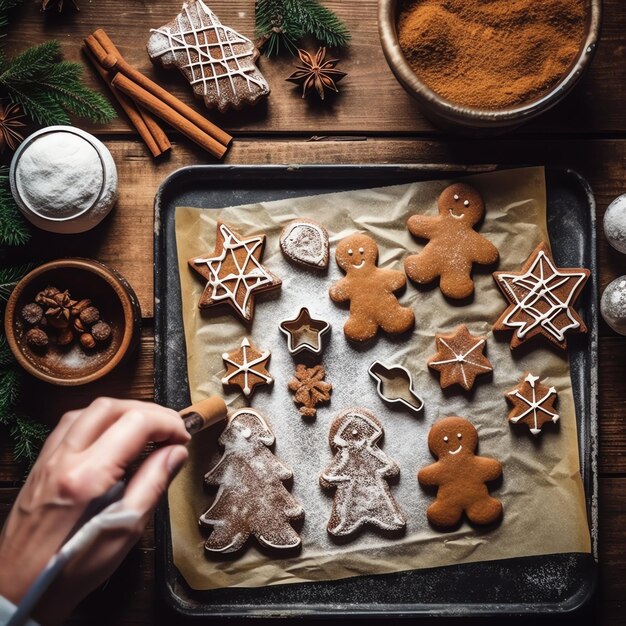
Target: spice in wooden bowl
column 491, row 55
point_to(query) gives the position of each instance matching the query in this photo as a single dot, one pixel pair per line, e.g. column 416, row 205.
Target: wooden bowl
column 475, row 121
column 73, row 365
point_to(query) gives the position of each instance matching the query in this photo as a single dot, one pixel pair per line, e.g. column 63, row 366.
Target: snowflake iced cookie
column 252, row 499
column 246, row 368
column 541, row 298
column 310, row 388
column 460, row 475
column 304, row 333
column 359, row 473
column 369, row 290
column 234, row 273
column 453, row 244
column 216, row 60
column 459, row 358
column 305, row 242
column 532, row 403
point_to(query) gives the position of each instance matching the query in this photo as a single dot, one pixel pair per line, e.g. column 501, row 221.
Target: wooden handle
column 203, row 414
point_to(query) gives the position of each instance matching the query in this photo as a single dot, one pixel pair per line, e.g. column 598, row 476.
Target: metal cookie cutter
column 395, row 385
column 304, row 333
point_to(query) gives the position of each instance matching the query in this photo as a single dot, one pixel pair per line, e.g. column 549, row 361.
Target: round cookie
column 369, row 290
column 460, row 475
column 453, row 246
column 305, row 242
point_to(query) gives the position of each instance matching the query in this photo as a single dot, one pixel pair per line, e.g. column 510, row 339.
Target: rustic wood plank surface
column 585, row 133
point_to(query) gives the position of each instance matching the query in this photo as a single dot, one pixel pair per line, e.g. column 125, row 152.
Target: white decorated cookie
column 305, row 242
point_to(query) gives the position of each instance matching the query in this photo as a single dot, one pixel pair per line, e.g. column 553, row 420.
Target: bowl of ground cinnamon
column 488, row 65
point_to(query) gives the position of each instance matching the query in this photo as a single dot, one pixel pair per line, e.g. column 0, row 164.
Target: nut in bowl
column 71, row 321
column 481, row 68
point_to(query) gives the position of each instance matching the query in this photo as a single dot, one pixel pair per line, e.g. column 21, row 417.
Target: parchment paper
column 541, row 490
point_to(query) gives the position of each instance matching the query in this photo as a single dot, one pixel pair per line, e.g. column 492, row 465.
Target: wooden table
column 372, row 121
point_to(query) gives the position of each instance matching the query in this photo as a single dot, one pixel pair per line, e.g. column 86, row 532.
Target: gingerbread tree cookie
column 234, row 273
column 310, row 388
column 252, row 499
column 218, row 62
column 541, row 298
column 246, row 368
column 453, row 244
column 460, row 358
column 358, row 472
column 369, row 290
column 460, row 475
column 532, row 403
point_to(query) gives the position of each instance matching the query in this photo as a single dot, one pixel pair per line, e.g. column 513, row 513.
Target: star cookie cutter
column 304, row 332
column 395, row 385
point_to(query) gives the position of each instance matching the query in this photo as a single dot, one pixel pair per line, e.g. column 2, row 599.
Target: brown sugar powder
column 491, row 54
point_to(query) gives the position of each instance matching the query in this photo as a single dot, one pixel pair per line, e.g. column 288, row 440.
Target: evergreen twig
column 27, row 435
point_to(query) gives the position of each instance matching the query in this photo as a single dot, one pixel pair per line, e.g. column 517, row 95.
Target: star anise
column 10, row 119
column 59, row 307
column 49, row 4
column 316, row 72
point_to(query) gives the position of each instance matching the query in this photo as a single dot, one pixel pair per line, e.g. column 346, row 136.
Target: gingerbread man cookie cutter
column 394, row 385
column 304, row 332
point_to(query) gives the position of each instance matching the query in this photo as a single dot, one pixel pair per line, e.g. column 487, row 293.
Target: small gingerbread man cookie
column 454, row 246
column 369, row 290
column 460, row 475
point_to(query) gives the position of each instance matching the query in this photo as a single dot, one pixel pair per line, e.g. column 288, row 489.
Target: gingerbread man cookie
column 460, row 475
column 454, row 246
column 369, row 290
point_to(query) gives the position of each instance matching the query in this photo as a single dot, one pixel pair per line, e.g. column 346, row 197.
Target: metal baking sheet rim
column 166, row 573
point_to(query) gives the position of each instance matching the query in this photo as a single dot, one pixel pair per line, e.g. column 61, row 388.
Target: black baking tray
column 550, row 584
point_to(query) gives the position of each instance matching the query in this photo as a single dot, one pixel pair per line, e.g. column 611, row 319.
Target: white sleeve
column 6, row 612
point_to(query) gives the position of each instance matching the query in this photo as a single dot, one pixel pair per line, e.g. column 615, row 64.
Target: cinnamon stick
column 115, row 61
column 168, row 114
column 130, row 108
column 109, row 47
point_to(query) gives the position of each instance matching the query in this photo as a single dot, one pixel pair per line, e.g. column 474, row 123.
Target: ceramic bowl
column 474, row 121
column 74, row 365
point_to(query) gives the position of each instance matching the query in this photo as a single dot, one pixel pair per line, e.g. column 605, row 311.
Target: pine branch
column 28, row 437
column 10, row 276
column 13, row 228
column 10, row 384
column 6, row 356
column 322, row 23
column 31, row 64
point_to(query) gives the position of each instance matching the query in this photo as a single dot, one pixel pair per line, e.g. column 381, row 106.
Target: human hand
column 86, row 454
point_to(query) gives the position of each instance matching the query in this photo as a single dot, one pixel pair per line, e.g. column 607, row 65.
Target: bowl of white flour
column 63, row 179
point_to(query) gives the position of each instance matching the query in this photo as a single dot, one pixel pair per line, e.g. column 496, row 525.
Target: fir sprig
column 28, row 436
column 48, row 90
column 9, row 277
column 281, row 24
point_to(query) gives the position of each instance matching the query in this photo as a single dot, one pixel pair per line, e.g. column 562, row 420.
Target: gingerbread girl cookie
column 454, row 246
column 369, row 290
column 358, row 472
column 460, row 475
column 252, row 499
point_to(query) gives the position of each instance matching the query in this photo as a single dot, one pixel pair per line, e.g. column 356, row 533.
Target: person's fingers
column 58, row 434
column 124, row 441
column 152, row 479
column 101, row 414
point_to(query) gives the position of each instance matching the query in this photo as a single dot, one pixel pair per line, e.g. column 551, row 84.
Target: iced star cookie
column 246, row 368
column 359, row 473
column 453, row 244
column 234, row 273
column 369, row 290
column 251, row 499
column 532, row 403
column 460, row 358
column 460, row 476
column 305, row 242
column 541, row 298
column 217, row 61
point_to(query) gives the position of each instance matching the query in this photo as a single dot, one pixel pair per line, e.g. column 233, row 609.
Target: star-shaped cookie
column 246, row 368
column 234, row 273
column 541, row 299
column 533, row 403
column 460, row 358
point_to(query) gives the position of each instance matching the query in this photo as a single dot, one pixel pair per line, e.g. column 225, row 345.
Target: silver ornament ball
column 615, row 223
column 613, row 305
